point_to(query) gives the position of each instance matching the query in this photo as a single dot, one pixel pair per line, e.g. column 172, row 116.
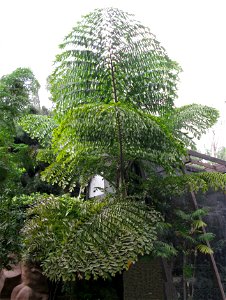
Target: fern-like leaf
column 91, row 238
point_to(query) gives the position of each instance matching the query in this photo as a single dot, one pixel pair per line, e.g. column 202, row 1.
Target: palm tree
column 114, row 88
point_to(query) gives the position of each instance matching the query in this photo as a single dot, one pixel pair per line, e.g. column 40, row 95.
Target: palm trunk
column 184, row 279
column 120, row 177
column 193, row 275
column 170, row 290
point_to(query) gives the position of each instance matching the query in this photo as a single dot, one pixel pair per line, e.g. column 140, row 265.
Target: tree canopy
column 18, row 93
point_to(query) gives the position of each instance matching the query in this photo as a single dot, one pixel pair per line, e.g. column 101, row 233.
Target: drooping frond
column 204, row 249
column 74, row 238
column 97, row 124
column 88, row 137
column 191, row 121
column 163, row 250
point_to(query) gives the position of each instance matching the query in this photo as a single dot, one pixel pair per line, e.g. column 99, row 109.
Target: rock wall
column 23, row 282
column 8, row 280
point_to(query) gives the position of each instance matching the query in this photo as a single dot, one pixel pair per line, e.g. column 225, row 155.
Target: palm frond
column 91, row 238
column 191, row 121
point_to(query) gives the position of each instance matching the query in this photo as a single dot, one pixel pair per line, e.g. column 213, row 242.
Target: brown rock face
column 8, row 280
column 34, row 285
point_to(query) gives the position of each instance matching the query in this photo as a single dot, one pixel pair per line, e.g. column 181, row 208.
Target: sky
column 193, row 32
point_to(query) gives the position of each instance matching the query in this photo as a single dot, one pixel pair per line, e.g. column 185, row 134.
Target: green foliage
column 164, row 250
column 204, row 249
column 188, row 227
column 181, row 184
column 13, row 162
column 191, row 121
column 18, row 91
column 11, row 221
column 40, row 127
column 78, row 239
column 109, row 55
column 114, row 87
column 111, row 82
column 208, row 236
column 88, row 140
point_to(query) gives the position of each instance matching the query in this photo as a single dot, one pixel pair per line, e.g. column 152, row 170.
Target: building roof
column 198, row 162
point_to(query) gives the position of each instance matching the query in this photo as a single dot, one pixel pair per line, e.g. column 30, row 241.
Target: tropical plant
column 98, row 237
column 190, row 239
column 12, row 215
column 114, row 87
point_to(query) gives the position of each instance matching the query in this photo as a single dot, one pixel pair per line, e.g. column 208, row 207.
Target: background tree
column 18, row 94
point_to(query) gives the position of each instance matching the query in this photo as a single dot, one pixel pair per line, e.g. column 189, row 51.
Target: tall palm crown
column 111, row 57
column 111, row 82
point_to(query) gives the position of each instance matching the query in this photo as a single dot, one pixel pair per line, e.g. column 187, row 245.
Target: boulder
column 8, row 280
column 34, row 285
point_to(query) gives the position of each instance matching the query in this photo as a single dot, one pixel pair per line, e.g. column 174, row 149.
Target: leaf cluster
column 190, row 122
column 74, row 239
column 38, row 127
column 106, row 42
column 188, row 228
column 180, row 184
